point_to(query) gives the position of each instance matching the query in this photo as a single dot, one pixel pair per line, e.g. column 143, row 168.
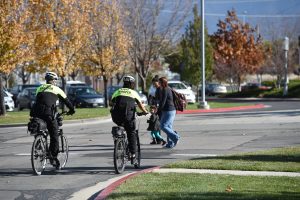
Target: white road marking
column 196, row 155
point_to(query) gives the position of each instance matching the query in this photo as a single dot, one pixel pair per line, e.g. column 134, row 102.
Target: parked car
column 254, row 86
column 75, row 83
column 26, row 98
column 180, row 87
column 8, row 101
column 85, row 96
column 18, row 88
column 144, row 98
column 215, row 89
column 111, row 90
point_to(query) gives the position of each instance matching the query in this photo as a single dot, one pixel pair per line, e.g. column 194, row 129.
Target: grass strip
column 81, row 113
column 201, row 186
column 278, row 159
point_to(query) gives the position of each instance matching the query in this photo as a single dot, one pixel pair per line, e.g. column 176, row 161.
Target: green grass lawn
column 85, row 113
column 172, row 186
column 218, row 187
column 81, row 113
column 278, row 159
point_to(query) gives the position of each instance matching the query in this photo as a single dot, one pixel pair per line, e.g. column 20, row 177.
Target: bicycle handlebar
column 141, row 113
column 64, row 113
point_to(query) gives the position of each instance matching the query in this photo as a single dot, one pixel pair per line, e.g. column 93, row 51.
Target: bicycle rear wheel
column 137, row 164
column 63, row 152
column 119, row 156
column 39, row 154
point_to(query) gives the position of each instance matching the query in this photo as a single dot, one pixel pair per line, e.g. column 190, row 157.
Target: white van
column 8, row 101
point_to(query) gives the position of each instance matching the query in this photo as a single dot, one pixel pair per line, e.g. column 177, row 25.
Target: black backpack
column 179, row 100
column 123, row 109
column 36, row 125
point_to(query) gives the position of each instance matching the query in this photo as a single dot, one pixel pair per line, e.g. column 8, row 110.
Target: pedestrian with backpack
column 154, row 127
column 167, row 112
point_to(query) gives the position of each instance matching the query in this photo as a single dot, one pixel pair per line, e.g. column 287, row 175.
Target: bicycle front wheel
column 137, row 164
column 39, row 154
column 63, row 152
column 119, row 156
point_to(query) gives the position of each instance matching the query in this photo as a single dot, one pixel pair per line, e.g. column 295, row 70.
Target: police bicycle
column 121, row 150
column 40, row 153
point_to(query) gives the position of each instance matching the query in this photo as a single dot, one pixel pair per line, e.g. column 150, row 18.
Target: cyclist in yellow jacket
column 45, row 108
column 123, row 110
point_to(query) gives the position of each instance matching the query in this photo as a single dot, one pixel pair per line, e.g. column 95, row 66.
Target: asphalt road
column 91, row 148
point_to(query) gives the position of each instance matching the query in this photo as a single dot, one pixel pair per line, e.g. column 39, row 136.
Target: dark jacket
column 46, row 98
column 123, row 105
column 154, row 124
column 166, row 100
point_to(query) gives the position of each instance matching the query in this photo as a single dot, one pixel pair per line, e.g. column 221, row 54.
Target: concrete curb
column 108, row 190
column 229, row 172
column 75, row 121
column 252, row 99
column 213, row 110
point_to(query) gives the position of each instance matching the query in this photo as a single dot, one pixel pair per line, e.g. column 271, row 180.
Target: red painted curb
column 108, row 190
column 222, row 109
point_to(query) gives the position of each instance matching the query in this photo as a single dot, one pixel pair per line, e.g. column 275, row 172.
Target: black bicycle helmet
column 129, row 79
column 51, row 76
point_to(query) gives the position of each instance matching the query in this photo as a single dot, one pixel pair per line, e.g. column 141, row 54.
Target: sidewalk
column 107, row 187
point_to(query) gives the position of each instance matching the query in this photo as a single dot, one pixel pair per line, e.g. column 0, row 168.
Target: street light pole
column 244, row 17
column 299, row 50
column 286, row 49
column 203, row 103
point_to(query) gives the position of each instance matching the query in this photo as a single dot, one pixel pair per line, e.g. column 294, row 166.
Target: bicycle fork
column 62, row 140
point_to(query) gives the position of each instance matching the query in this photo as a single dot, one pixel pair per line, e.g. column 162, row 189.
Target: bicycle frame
column 41, row 153
column 45, row 134
column 121, row 150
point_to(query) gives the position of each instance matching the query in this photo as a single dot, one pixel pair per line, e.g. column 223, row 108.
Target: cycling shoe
column 55, row 163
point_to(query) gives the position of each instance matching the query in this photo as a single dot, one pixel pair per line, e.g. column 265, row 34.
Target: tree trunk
column 239, row 83
column 278, row 81
column 144, row 89
column 105, row 81
column 63, row 84
column 2, row 106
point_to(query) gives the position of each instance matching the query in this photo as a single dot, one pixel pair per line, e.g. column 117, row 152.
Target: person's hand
column 71, row 112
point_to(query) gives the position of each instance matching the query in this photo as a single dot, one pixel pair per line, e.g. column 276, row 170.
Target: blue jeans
column 166, row 124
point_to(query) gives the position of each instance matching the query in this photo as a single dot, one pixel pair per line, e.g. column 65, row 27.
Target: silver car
column 215, row 88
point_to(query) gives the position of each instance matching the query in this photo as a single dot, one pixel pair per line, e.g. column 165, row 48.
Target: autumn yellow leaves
column 63, row 36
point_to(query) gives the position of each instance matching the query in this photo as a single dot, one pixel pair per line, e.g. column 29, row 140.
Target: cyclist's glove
column 141, row 113
column 71, row 112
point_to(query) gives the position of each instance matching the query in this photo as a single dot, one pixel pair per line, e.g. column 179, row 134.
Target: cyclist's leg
column 131, row 135
column 52, row 127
